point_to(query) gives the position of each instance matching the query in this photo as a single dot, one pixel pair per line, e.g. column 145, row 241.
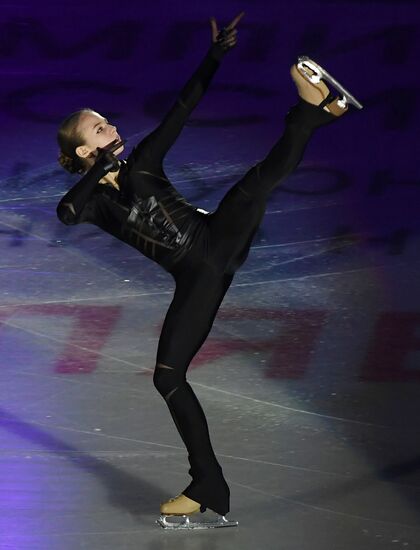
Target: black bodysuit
column 201, row 250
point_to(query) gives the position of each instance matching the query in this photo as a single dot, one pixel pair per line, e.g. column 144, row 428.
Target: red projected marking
column 289, row 347
column 91, row 328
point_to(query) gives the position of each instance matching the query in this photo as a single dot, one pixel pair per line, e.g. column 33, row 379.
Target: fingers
column 227, row 39
column 227, row 35
column 229, row 27
column 114, row 145
column 214, row 30
column 235, row 21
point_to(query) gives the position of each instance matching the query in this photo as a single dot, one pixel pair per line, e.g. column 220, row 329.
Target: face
column 97, row 132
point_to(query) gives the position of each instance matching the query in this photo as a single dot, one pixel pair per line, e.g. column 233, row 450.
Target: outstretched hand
column 227, row 36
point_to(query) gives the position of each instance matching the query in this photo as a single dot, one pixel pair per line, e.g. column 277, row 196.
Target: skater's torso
column 146, row 212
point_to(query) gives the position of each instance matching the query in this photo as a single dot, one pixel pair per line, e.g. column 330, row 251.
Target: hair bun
column 68, row 163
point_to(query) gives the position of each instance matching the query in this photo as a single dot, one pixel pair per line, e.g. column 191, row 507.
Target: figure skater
column 133, row 200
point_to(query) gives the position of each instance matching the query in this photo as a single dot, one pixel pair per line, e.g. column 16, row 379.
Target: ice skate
column 316, row 76
column 176, row 514
column 316, row 94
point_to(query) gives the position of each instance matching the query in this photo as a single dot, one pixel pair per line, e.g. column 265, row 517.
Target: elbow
column 65, row 216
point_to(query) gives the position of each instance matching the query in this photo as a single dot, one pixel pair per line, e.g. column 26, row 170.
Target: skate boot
column 310, row 79
column 176, row 513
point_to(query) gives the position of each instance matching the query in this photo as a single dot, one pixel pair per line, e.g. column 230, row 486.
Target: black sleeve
column 154, row 146
column 71, row 205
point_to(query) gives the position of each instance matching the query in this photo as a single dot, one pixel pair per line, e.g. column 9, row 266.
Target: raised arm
column 156, row 144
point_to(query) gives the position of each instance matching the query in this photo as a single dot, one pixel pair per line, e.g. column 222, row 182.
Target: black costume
column 201, row 250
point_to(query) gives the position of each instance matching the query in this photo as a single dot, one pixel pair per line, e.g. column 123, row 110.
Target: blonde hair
column 69, row 138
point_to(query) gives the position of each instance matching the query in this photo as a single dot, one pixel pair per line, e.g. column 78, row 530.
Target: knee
column 164, row 379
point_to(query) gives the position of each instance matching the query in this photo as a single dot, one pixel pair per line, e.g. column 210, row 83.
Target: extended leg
column 301, row 122
column 316, row 107
column 234, row 223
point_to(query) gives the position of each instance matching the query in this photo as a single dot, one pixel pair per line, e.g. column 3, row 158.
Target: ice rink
column 310, row 376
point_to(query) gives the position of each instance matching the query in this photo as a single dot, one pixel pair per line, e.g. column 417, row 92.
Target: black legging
column 202, row 279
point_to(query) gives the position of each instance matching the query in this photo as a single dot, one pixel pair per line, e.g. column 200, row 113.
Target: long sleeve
column 152, row 149
column 71, row 205
column 156, row 144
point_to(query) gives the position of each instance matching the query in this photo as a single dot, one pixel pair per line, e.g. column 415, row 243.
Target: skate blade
column 321, row 73
column 184, row 522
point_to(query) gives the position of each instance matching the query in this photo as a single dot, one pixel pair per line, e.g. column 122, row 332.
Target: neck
column 111, row 178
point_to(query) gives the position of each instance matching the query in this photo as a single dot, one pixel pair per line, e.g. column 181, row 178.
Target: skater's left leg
column 199, row 292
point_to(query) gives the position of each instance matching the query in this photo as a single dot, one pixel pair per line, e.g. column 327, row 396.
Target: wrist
column 97, row 169
column 217, row 51
column 108, row 161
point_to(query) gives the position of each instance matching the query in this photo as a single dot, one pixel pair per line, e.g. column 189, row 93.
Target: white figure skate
column 177, row 513
column 319, row 73
column 204, row 521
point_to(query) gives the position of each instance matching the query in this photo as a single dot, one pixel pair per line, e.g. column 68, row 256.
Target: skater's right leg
column 300, row 123
column 234, row 223
column 316, row 107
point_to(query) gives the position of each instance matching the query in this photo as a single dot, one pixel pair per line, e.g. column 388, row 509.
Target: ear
column 83, row 151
